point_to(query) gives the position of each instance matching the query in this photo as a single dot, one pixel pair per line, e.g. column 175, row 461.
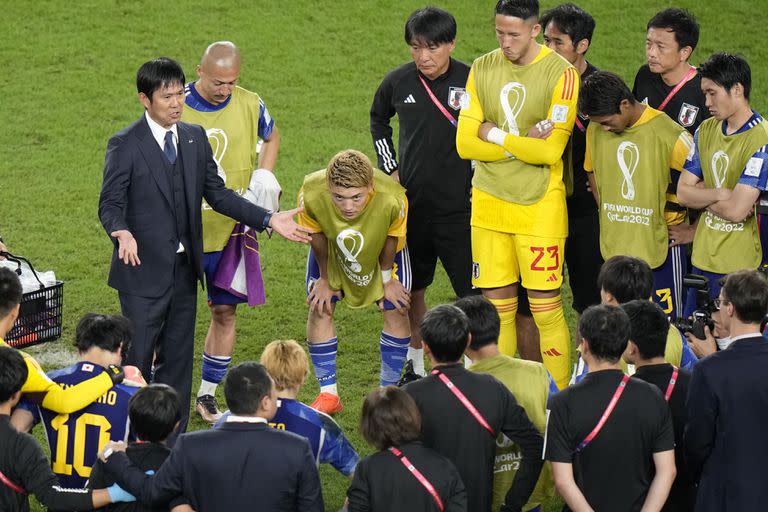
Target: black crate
column 39, row 318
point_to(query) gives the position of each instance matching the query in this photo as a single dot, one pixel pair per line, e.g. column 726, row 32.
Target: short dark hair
column 445, row 329
column 681, row 22
column 523, row 9
column 10, row 291
column 158, row 73
column 484, row 322
column 727, row 70
column 601, row 94
column 154, row 411
column 648, row 326
column 606, row 329
column 430, row 25
column 245, row 386
column 747, row 290
column 13, row 372
column 390, row 417
column 626, row 278
column 572, row 20
column 106, row 332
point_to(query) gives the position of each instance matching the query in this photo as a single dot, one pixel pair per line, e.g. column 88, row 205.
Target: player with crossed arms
column 357, row 216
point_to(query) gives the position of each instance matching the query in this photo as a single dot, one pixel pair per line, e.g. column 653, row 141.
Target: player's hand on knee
column 541, row 130
column 395, row 293
column 320, row 298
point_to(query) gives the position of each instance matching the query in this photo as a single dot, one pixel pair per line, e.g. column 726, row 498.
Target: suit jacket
column 238, row 466
column 725, row 440
column 136, row 195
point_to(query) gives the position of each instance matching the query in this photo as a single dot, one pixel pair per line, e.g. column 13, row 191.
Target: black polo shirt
column 581, row 203
column 683, row 494
column 615, row 470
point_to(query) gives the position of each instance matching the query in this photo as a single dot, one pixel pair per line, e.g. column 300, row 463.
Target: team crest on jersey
column 456, row 97
column 87, row 367
column 687, row 115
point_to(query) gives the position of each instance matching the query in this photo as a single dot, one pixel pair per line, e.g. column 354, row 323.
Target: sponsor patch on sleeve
column 753, row 167
column 559, row 113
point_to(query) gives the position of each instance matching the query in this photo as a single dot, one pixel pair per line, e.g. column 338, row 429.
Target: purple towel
column 239, row 270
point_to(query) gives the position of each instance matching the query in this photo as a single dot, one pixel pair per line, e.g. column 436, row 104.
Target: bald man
column 236, row 120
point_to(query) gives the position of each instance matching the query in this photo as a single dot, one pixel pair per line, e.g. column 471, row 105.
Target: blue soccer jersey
column 75, row 439
column 329, row 444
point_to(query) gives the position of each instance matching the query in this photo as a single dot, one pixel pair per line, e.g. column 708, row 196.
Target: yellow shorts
column 500, row 259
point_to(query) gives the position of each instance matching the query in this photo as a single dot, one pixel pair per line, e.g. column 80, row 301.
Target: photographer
column 714, row 339
column 725, row 441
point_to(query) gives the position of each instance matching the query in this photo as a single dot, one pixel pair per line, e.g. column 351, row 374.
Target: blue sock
column 214, row 370
column 393, row 351
column 323, row 357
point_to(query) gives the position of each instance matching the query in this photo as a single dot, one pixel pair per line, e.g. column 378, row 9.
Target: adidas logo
column 409, row 99
column 552, row 352
column 552, row 278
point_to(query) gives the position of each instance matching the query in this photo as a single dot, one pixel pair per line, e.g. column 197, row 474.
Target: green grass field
column 70, row 71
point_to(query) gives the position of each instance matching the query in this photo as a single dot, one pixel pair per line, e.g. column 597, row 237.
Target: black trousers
column 164, row 331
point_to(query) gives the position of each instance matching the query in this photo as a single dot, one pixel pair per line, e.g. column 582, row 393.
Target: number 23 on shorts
column 545, row 258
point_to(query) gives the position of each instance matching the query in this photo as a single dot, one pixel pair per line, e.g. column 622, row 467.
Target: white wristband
column 497, row 136
column 386, row 276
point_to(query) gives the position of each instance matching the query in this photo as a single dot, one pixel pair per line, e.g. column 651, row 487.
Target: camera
column 705, row 306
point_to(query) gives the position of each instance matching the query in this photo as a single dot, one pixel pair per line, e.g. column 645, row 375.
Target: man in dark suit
column 157, row 172
column 240, row 465
column 725, row 439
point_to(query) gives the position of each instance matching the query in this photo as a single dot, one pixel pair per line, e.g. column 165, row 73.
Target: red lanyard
column 691, row 73
column 580, row 125
column 421, row 478
column 464, row 401
column 439, row 105
column 671, row 384
column 606, row 414
column 12, row 485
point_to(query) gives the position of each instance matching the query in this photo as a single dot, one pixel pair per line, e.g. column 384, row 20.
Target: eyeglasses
column 718, row 302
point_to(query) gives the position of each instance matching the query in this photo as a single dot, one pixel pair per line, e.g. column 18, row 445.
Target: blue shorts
column 714, row 289
column 402, row 265
column 668, row 282
column 215, row 294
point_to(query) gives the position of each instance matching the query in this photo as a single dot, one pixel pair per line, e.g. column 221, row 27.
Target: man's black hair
column 572, row 20
column 158, row 73
column 523, row 9
column 484, row 322
column 445, row 329
column 154, row 411
column 727, row 70
column 245, row 386
column 430, row 25
column 106, row 332
column 747, row 290
column 601, row 94
column 606, row 329
column 10, row 291
column 648, row 326
column 13, row 372
column 681, row 22
column 626, row 278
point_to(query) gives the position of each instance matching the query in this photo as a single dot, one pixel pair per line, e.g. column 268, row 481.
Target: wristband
column 386, row 276
column 497, row 136
column 115, row 373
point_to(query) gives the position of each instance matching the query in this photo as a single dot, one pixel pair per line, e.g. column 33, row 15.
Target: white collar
column 742, row 336
column 158, row 132
column 245, row 419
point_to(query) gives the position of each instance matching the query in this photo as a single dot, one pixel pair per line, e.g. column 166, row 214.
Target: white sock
column 330, row 388
column 467, row 362
column 417, row 356
column 207, row 388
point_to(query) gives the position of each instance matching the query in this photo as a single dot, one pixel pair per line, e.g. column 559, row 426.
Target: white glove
column 264, row 190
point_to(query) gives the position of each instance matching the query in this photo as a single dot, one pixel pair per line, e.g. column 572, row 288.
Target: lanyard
column 421, row 478
column 12, row 485
column 671, row 385
column 464, row 401
column 579, row 124
column 691, row 73
column 606, row 414
column 439, row 105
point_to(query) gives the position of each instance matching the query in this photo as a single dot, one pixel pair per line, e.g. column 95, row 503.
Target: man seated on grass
column 38, row 387
column 357, row 216
column 24, row 468
column 287, row 363
column 76, row 438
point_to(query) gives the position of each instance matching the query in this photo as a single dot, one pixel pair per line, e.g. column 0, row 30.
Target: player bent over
column 358, row 218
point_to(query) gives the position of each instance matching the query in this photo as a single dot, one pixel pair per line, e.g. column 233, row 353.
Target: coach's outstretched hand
column 128, row 249
column 395, row 292
column 283, row 223
column 321, row 296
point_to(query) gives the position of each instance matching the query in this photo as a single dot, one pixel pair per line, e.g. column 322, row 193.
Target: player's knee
column 223, row 314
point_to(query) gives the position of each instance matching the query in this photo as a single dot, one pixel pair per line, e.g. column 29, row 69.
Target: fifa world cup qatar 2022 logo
column 628, row 156
column 720, row 162
column 219, row 142
column 350, row 243
column 512, row 99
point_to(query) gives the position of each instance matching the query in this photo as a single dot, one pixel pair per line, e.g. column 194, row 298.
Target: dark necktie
column 170, row 148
